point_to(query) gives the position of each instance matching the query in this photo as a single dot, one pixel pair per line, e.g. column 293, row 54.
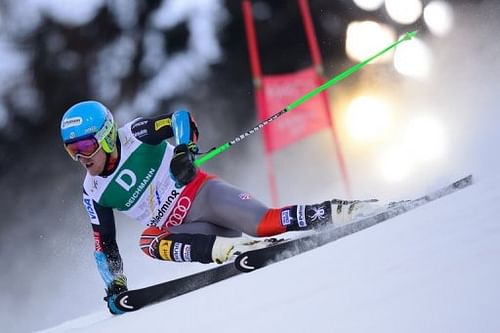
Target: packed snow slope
column 434, row 269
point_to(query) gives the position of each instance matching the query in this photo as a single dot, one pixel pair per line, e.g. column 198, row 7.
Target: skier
column 189, row 214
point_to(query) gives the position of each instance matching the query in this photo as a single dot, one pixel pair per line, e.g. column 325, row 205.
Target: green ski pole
column 216, row 151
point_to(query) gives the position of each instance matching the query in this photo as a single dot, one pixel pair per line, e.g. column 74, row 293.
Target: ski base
column 133, row 300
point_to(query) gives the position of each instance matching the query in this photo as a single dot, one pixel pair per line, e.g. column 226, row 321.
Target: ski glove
column 116, row 287
column 182, row 168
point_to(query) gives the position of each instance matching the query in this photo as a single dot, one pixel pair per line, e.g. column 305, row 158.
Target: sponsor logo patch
column 164, row 249
column 285, row 217
column 94, row 185
column 179, row 212
column 301, row 216
column 162, row 123
column 97, row 242
column 141, row 133
column 128, row 180
column 160, row 213
column 187, row 252
column 157, row 197
column 178, row 252
column 140, row 123
column 318, row 213
column 71, row 122
column 91, row 129
column 89, row 207
column 245, row 196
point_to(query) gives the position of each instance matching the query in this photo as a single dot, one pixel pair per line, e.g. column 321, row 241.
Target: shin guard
column 161, row 244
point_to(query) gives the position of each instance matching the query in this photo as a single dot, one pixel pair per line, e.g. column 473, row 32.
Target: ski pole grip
column 199, row 161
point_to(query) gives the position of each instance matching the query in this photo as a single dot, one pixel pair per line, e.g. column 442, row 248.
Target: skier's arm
column 182, row 168
column 107, row 255
column 157, row 129
column 182, row 127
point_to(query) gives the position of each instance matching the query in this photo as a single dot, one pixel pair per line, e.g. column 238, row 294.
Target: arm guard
column 155, row 130
column 108, row 259
column 107, row 255
column 181, row 126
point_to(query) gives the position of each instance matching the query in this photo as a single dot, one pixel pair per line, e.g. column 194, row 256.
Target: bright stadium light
column 369, row 4
column 438, row 15
column 395, row 164
column 404, row 11
column 423, row 142
column 425, row 139
column 365, row 38
column 367, row 118
column 413, row 59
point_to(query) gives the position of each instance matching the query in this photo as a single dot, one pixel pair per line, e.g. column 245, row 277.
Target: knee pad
column 150, row 241
column 163, row 245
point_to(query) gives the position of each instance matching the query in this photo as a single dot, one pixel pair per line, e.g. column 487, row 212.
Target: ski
column 252, row 260
column 133, row 300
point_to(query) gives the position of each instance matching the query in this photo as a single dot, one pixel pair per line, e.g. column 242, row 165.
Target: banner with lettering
column 306, row 119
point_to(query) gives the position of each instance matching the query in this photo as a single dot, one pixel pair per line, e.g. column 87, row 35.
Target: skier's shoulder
column 127, row 128
column 92, row 186
column 151, row 131
column 128, row 136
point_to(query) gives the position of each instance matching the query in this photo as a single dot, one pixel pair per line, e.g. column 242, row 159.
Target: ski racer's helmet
column 87, row 127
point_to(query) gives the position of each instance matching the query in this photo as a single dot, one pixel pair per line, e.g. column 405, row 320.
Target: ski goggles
column 85, row 147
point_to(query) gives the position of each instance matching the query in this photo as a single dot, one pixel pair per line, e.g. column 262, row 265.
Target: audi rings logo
column 179, row 212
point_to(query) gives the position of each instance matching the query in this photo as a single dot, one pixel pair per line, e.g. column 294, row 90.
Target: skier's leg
column 314, row 216
column 220, row 208
column 204, row 228
column 227, row 206
column 160, row 243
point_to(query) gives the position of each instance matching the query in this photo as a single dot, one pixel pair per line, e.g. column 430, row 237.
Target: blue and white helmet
column 89, row 119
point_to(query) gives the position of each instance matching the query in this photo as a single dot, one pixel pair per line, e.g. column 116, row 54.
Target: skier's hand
column 182, row 166
column 116, row 287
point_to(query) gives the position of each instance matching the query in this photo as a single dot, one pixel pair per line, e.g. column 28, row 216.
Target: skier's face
column 95, row 164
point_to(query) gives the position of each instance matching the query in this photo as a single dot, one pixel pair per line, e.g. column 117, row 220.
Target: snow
column 434, row 269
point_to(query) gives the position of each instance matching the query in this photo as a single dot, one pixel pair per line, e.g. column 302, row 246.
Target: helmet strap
column 112, row 160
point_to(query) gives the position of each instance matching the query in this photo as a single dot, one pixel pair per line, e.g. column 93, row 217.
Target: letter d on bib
column 126, row 179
